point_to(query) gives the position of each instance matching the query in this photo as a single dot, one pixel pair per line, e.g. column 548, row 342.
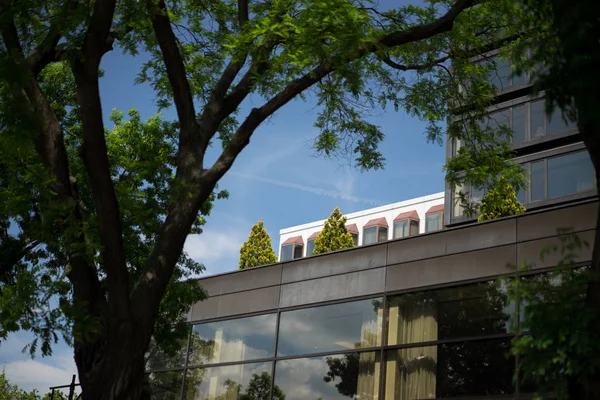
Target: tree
column 335, row 235
column 500, row 201
column 13, row 392
column 257, row 250
column 560, row 352
column 101, row 217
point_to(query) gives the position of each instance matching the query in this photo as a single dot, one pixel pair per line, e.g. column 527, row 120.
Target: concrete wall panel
column 530, row 251
column 537, row 226
column 452, row 268
column 236, row 303
column 333, row 264
column 333, row 288
column 251, row 279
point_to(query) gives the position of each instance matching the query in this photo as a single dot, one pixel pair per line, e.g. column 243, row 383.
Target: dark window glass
column 401, row 229
column 298, row 251
column 339, row 377
column 433, row 222
column 538, row 180
column 571, row 173
column 518, row 78
column 537, row 119
column 171, row 357
column 556, row 124
column 232, row 382
column 287, row 252
column 499, row 75
column 370, row 235
column 310, row 246
column 382, row 234
column 336, row 327
column 467, row 369
column 240, row 339
column 414, row 227
column 165, row 385
column 464, row 311
column 355, row 238
column 519, row 125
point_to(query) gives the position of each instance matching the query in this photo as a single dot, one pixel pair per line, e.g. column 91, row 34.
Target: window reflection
column 170, row 354
column 287, row 252
column 352, row 375
column 310, row 247
column 464, row 311
column 336, row 327
column 538, row 180
column 240, row 339
column 571, row 173
column 433, row 222
column 165, row 385
column 519, row 125
column 465, row 369
column 231, row 382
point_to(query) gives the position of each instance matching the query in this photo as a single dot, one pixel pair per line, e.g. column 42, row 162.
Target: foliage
column 500, row 201
column 13, row 392
column 560, row 332
column 257, row 250
column 335, row 235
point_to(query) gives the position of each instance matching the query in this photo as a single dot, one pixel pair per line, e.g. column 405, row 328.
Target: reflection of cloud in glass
column 330, row 328
column 236, row 340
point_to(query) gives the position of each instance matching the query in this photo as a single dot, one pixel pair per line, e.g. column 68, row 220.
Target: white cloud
column 33, row 374
column 213, row 245
column 336, row 194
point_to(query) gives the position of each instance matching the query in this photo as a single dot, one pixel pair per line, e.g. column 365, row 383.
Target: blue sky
column 277, row 178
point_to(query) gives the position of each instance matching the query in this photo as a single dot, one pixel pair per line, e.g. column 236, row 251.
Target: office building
column 551, row 151
column 392, row 221
column 421, row 317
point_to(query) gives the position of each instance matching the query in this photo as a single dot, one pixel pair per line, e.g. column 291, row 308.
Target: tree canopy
column 257, row 250
column 334, row 235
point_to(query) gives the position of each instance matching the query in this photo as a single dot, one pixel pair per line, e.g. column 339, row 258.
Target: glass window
column 240, row 339
column 401, row 229
column 336, row 327
column 464, row 311
column 338, row 377
column 433, row 222
column 571, row 173
column 370, row 235
column 231, row 382
column 298, row 251
column 465, row 369
column 171, row 356
column 383, row 234
column 499, row 75
column 355, row 238
column 414, row 227
column 165, row 385
column 518, row 78
column 286, row 252
column 310, row 247
column 557, row 125
column 537, row 119
column 538, row 180
column 519, row 125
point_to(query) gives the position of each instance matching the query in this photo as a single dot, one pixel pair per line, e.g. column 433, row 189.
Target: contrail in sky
column 310, row 189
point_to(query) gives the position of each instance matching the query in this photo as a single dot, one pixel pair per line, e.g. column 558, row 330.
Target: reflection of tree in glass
column 164, row 385
column 346, row 370
column 201, row 350
column 258, row 388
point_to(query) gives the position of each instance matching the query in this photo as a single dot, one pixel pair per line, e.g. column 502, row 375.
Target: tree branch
column 414, row 67
column 242, row 12
column 95, row 156
column 51, row 149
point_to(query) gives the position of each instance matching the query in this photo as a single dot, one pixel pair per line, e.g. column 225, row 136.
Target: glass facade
column 433, row 344
column 291, row 252
column 551, row 178
column 374, row 234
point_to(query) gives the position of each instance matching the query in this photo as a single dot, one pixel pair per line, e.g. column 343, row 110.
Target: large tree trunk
column 111, row 367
